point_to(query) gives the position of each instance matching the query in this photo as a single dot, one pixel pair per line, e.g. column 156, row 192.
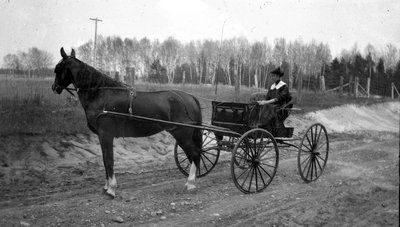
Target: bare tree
column 257, row 58
column 12, row 62
column 85, row 52
column 390, row 56
column 170, row 51
column 191, row 56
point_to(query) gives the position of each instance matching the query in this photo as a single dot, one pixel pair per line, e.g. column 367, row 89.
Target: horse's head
column 66, row 70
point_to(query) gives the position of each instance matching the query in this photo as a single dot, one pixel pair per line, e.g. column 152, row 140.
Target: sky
column 52, row 24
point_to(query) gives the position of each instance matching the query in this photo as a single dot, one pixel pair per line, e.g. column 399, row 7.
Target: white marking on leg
column 192, row 177
column 106, row 186
column 112, row 185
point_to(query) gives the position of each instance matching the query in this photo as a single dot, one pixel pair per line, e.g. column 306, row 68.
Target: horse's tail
column 197, row 134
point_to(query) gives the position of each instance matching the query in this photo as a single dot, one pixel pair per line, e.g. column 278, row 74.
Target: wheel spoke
column 307, row 166
column 321, row 145
column 251, row 150
column 308, row 158
column 308, row 139
column 251, row 178
column 265, row 153
column 247, row 176
column 318, row 156
column 204, row 156
column 184, row 159
column 319, row 135
column 267, row 158
column 259, row 146
column 306, row 151
column 319, row 165
column 243, row 172
column 312, row 136
column 243, row 155
column 311, row 167
column 207, row 142
column 262, row 178
column 265, row 164
column 209, row 153
column 204, row 164
column 255, row 134
column 315, row 168
column 255, row 172
column 265, row 171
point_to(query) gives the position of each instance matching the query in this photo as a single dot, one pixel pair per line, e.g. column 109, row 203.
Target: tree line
column 34, row 62
column 234, row 61
column 237, row 61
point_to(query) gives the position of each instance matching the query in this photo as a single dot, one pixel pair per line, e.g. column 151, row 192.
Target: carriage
column 255, row 151
column 114, row 110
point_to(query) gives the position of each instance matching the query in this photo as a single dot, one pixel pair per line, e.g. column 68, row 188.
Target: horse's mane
column 93, row 78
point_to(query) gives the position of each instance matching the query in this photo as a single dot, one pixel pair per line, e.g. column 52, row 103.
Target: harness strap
column 132, row 96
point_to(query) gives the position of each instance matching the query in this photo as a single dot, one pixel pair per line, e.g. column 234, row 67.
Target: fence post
column 299, row 87
column 341, row 86
column 356, row 87
column 392, row 85
column 322, row 81
column 183, row 78
column 351, row 85
column 368, row 86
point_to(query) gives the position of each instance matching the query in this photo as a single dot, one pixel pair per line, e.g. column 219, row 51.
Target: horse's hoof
column 111, row 193
column 190, row 187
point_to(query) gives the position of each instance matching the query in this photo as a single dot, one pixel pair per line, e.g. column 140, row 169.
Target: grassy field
column 30, row 107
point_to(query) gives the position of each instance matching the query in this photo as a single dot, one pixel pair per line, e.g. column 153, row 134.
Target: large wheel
column 254, row 161
column 209, row 156
column 313, row 153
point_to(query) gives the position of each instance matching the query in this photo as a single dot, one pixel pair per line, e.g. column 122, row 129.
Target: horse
column 99, row 93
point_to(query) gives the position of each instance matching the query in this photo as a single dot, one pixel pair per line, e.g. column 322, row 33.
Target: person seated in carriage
column 272, row 108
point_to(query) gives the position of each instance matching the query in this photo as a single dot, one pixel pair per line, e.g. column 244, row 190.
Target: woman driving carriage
column 278, row 95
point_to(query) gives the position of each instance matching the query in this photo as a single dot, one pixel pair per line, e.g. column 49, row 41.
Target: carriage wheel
column 313, row 153
column 254, row 161
column 209, row 156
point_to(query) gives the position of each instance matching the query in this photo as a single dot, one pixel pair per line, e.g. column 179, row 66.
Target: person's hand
column 263, row 102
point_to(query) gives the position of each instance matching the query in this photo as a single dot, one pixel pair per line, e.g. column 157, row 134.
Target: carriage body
column 236, row 117
column 231, row 115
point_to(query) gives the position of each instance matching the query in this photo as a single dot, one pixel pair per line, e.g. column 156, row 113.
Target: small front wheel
column 254, row 161
column 313, row 153
column 209, row 156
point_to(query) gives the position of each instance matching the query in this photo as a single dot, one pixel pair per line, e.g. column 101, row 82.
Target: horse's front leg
column 106, row 142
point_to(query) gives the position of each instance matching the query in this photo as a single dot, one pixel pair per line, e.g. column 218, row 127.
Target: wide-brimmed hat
column 278, row 72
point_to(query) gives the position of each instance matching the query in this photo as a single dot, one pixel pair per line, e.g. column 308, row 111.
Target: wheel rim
column 313, row 153
column 254, row 161
column 208, row 159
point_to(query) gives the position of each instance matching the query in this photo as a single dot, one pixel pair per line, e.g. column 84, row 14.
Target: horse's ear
column 63, row 54
column 73, row 53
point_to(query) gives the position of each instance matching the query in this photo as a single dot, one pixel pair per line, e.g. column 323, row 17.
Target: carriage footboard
column 231, row 115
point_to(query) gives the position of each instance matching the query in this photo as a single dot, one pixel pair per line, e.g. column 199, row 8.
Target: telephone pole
column 95, row 39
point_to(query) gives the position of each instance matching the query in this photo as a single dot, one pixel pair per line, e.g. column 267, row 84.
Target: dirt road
column 360, row 187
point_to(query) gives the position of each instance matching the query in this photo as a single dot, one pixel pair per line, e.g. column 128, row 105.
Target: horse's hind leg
column 192, row 151
column 106, row 142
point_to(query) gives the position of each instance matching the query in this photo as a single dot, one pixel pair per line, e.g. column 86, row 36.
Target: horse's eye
column 57, row 69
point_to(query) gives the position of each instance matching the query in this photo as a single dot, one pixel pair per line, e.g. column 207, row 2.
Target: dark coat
column 279, row 91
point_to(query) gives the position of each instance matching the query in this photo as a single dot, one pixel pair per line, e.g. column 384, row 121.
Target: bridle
column 68, row 89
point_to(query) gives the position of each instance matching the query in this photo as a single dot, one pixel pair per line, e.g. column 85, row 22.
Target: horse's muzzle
column 56, row 89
